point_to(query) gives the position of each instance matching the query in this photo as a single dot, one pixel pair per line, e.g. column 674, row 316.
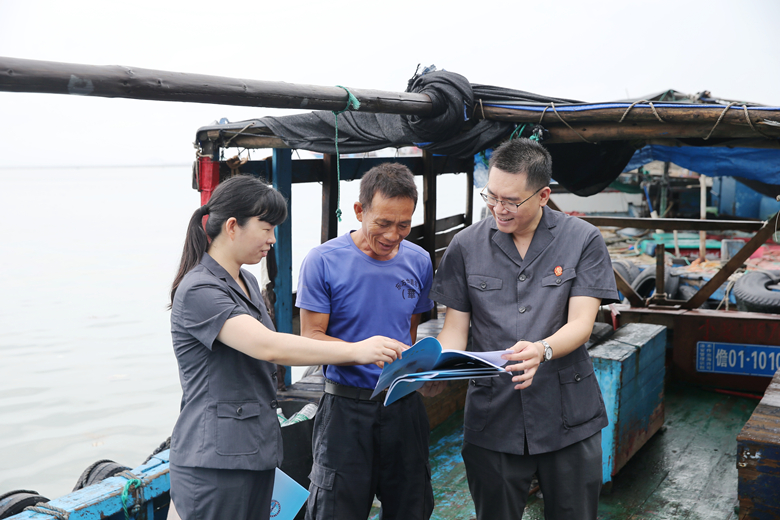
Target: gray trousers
column 206, row 494
column 570, row 480
column 362, row 449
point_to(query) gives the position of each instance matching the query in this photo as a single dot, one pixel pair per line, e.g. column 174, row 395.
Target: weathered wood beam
column 330, row 199
column 732, row 265
column 596, row 132
column 429, row 204
column 670, row 224
column 116, row 81
column 702, row 113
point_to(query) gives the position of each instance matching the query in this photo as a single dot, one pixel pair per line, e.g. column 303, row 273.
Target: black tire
column 644, row 284
column 98, row 471
column 14, row 502
column 166, row 445
column 686, row 292
column 753, row 294
column 628, row 270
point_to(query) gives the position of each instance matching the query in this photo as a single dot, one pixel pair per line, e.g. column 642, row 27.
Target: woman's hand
column 530, row 355
column 379, row 350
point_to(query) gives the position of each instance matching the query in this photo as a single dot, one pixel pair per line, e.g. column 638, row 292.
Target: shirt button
column 522, row 277
column 274, row 404
column 558, row 281
column 473, row 383
column 483, row 285
column 239, row 410
column 577, row 377
column 522, row 310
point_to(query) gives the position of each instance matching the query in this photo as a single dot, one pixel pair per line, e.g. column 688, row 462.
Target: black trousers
column 570, row 480
column 362, row 449
column 206, row 494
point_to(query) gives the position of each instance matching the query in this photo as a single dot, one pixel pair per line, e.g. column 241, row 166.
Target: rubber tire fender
column 644, row 284
column 686, row 292
column 753, row 295
column 628, row 270
column 14, row 502
column 98, row 471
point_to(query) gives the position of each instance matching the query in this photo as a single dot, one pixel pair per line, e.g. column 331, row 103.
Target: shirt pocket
column 580, row 395
column 560, row 281
column 238, row 427
column 484, row 283
column 478, row 399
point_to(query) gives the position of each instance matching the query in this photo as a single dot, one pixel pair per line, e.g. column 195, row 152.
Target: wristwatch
column 547, row 351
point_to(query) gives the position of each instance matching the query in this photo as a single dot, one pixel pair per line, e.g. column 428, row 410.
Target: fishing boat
column 452, row 124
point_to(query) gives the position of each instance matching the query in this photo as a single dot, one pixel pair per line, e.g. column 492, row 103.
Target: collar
column 543, row 236
column 220, row 272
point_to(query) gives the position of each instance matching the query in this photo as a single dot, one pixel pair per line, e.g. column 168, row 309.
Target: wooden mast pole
column 114, row 81
column 20, row 75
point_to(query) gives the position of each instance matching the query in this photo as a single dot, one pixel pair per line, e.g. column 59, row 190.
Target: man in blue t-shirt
column 368, row 282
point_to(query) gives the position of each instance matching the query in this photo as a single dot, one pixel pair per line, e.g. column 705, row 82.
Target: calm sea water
column 87, row 371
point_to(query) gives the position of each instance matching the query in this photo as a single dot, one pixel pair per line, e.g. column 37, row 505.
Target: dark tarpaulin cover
column 450, row 130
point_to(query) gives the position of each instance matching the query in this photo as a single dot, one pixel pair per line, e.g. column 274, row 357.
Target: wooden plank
column 282, row 181
column 660, row 270
column 330, row 197
column 114, row 81
column 597, row 132
column 443, row 240
column 450, row 222
column 469, row 216
column 429, row 204
column 758, row 458
column 732, row 265
column 671, row 224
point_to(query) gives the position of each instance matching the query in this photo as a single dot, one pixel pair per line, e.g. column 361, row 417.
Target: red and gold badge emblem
column 558, row 271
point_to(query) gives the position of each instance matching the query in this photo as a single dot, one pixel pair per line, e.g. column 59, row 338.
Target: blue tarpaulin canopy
column 758, row 164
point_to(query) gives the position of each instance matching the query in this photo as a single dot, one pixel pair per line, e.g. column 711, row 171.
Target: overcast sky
column 589, row 50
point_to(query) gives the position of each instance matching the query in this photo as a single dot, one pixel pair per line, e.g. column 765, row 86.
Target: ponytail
column 195, row 244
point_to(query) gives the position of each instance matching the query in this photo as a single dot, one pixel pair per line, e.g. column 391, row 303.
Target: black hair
column 391, row 180
column 524, row 156
column 242, row 197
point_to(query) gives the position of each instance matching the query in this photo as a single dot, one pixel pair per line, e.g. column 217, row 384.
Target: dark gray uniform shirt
column 228, row 420
column 512, row 298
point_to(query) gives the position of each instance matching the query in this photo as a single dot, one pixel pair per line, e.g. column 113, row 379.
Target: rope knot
column 133, row 481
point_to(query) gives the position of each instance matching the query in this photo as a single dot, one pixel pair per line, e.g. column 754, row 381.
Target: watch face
column 547, row 353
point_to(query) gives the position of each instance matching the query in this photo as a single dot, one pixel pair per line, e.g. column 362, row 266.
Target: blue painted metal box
column 630, row 369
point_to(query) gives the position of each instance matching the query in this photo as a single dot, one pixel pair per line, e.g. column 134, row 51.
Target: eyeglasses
column 511, row 207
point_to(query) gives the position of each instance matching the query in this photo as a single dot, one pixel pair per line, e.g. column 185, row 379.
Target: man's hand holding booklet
column 426, row 361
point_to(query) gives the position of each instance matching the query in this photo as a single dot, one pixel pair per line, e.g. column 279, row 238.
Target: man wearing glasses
column 531, row 280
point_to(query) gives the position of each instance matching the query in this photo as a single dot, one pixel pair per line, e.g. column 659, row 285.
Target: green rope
column 352, row 104
column 519, row 131
column 125, row 492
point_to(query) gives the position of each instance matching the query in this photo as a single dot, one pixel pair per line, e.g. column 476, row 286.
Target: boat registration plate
column 737, row 358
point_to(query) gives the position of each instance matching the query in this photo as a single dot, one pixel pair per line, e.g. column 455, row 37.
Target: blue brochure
column 288, row 497
column 427, row 361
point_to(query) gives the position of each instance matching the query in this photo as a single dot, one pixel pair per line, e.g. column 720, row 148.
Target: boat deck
column 686, row 471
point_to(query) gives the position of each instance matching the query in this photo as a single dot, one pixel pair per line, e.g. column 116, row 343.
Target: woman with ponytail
column 227, row 441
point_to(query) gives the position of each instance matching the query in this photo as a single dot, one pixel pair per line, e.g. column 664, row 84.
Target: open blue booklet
column 427, row 361
column 287, row 498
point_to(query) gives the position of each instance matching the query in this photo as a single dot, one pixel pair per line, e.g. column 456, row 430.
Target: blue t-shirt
column 364, row 297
